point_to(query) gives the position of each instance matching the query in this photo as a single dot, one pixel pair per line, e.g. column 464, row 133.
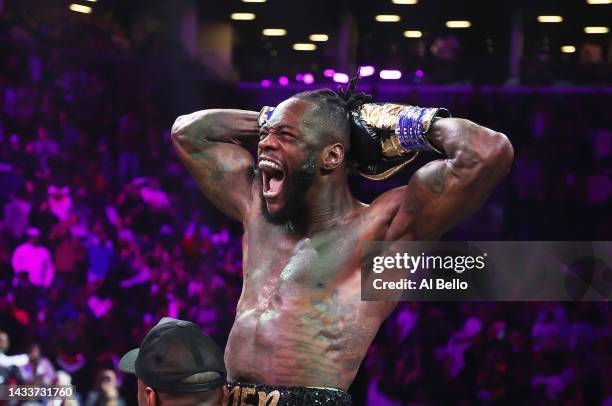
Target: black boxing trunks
column 242, row 394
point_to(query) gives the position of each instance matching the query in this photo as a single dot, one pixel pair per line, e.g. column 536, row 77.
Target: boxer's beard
column 296, row 186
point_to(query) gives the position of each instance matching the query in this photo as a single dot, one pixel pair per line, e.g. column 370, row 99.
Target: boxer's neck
column 328, row 202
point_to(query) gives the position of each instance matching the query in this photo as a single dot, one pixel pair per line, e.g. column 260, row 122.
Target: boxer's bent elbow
column 187, row 130
column 500, row 154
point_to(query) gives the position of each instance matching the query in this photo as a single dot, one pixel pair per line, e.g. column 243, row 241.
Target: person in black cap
column 177, row 365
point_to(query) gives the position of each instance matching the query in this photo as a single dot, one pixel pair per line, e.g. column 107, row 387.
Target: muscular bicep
column 439, row 196
column 224, row 173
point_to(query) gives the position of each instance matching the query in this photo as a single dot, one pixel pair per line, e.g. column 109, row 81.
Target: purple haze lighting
column 419, row 73
column 308, row 78
column 266, row 83
column 341, row 77
column 283, row 80
column 366, row 71
column 299, row 77
column 390, row 74
column 329, row 73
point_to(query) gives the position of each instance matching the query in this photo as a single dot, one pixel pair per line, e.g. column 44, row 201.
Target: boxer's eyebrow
column 289, row 126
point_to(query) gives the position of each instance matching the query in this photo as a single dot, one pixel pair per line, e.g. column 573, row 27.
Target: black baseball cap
column 172, row 351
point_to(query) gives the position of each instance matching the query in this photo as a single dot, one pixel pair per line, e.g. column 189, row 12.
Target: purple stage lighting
column 283, row 80
column 329, row 73
column 308, row 78
column 366, row 71
column 390, row 74
column 419, row 73
column 299, row 77
column 341, row 77
column 266, row 83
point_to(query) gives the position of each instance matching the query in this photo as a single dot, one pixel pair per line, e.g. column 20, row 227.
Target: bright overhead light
column 93, row 1
column 318, row 37
column 550, row 19
column 366, row 71
column 390, row 74
column 242, row 16
column 328, row 73
column 387, row 18
column 253, row 1
column 458, row 24
column 568, row 49
column 413, row 34
column 404, row 1
column 340, row 77
column 80, row 8
column 596, row 30
column 274, row 32
column 599, row 1
column 308, row 78
column 304, row 46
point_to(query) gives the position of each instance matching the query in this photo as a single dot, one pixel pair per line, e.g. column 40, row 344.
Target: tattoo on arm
column 451, row 189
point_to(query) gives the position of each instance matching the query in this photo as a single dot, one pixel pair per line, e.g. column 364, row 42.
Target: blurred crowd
column 103, row 233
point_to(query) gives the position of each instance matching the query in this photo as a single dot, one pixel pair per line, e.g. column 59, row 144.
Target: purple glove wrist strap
column 413, row 125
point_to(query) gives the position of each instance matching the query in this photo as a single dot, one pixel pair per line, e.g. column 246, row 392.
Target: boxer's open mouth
column 273, row 177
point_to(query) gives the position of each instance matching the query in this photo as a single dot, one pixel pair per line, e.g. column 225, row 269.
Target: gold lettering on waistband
column 243, row 396
column 235, row 392
column 273, row 397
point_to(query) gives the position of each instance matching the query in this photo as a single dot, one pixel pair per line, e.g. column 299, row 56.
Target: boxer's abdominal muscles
column 300, row 342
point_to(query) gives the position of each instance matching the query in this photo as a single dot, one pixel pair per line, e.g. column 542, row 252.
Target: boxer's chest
column 273, row 257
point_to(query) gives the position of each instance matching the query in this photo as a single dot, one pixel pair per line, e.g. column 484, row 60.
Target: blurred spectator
column 43, row 149
column 106, row 391
column 35, row 260
column 177, row 365
column 7, row 361
column 16, row 216
column 60, row 202
column 39, row 370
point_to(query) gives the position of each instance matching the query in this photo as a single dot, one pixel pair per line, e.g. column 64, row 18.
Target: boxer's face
column 287, row 159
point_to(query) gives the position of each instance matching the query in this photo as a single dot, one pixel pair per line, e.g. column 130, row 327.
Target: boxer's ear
column 151, row 396
column 332, row 156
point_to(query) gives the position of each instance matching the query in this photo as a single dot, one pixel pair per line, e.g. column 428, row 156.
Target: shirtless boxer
column 301, row 330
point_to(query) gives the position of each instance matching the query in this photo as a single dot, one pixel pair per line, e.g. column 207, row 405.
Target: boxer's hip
column 268, row 395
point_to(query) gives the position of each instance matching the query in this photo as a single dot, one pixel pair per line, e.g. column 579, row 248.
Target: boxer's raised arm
column 211, row 144
column 444, row 192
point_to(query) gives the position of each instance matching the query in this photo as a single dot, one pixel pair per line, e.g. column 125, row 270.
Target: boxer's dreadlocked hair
column 335, row 107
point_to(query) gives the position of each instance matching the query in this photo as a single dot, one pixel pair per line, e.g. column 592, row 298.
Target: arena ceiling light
column 413, row 34
column 253, row 1
column 308, row 78
column 367, row 70
column 390, row 74
column 329, row 73
column 568, row 49
column 550, row 19
column 242, row 16
column 304, row 46
column 387, row 18
column 318, row 37
column 596, row 30
column 404, row 1
column 340, row 77
column 458, row 24
column 80, row 8
column 274, row 32
column 599, row 1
